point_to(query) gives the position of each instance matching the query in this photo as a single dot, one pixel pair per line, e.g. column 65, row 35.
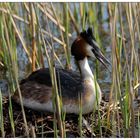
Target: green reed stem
column 1, row 117
column 11, row 116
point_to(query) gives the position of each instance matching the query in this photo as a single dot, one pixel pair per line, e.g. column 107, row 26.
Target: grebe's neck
column 85, row 70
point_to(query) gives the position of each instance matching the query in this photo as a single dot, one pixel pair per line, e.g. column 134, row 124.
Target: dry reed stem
column 61, row 33
column 6, row 11
column 27, row 22
column 33, row 36
column 20, row 36
column 73, row 21
column 51, row 18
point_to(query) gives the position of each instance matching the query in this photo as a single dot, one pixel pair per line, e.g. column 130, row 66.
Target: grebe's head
column 85, row 45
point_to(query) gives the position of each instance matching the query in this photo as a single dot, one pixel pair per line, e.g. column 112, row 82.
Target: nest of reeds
column 41, row 124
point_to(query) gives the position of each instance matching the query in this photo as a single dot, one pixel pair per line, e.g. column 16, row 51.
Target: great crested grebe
column 36, row 89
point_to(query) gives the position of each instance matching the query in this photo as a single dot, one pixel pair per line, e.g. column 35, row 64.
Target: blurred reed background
column 36, row 35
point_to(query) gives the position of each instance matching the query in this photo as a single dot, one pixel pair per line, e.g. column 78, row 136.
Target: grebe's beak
column 99, row 55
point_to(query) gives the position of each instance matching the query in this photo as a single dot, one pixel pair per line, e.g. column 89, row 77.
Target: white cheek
column 89, row 51
column 89, row 48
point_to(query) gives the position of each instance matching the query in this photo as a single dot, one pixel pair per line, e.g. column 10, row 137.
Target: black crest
column 88, row 36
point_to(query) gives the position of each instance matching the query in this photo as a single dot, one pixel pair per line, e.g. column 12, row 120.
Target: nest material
column 41, row 124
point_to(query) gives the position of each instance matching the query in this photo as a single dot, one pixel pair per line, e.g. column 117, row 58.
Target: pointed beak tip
column 104, row 61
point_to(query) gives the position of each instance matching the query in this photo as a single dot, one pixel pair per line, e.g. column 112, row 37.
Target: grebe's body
column 36, row 90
